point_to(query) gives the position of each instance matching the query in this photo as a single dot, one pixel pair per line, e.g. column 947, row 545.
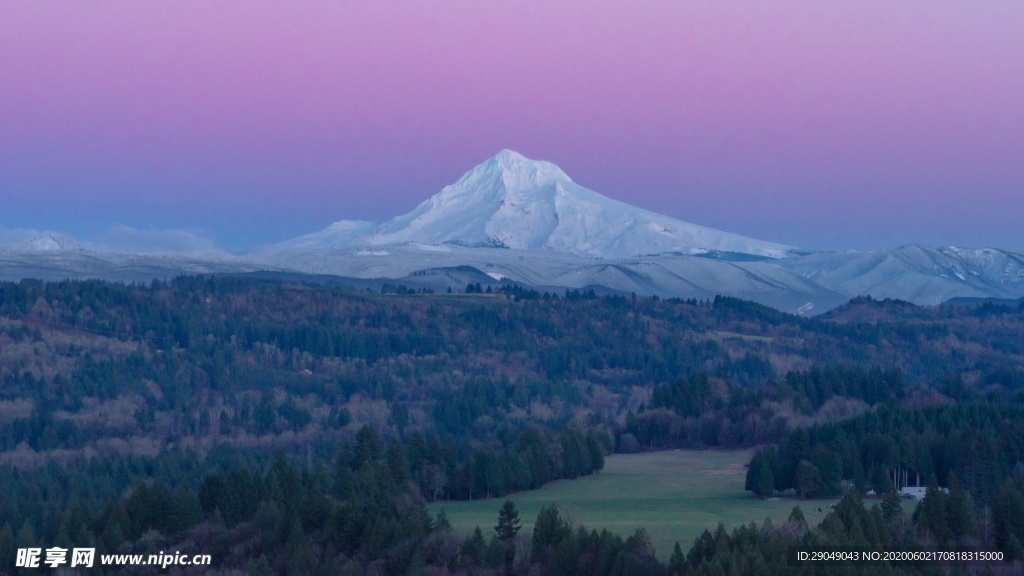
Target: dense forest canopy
column 232, row 410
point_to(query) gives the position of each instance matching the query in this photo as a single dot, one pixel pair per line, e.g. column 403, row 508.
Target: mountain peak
column 507, row 156
column 517, row 171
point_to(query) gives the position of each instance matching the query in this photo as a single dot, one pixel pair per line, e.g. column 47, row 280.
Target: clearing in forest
column 674, row 495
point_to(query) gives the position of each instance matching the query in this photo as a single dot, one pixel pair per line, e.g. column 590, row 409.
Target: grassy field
column 674, row 495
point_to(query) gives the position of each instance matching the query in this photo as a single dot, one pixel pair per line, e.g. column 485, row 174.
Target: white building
column 917, row 492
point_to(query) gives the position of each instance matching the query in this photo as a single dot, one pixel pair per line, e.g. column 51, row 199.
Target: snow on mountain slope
column 45, row 242
column 337, row 236
column 52, row 256
column 665, row 275
column 916, row 273
column 510, row 201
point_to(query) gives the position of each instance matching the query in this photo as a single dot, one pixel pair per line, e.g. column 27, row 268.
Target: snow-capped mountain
column 560, row 234
column 511, row 219
column 510, row 201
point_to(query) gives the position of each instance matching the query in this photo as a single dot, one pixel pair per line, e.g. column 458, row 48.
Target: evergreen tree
column 891, row 507
column 507, row 528
column 368, row 447
column 677, row 560
column 260, row 567
column 508, row 522
column 475, row 546
column 7, row 546
column 796, row 518
column 961, row 516
column 807, row 478
column 496, row 553
column 442, row 522
column 1009, row 520
column 759, row 477
column 548, row 531
column 932, row 514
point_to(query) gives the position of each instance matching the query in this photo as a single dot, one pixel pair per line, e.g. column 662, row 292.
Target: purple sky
column 820, row 124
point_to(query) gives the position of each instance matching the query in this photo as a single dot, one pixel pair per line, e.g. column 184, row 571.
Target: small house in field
column 917, row 492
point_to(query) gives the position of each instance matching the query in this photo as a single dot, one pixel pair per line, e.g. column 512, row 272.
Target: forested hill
column 200, row 361
column 112, row 394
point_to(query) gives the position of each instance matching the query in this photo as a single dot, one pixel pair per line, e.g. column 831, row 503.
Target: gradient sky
column 826, row 125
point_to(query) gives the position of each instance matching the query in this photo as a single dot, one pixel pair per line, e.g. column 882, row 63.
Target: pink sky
column 820, row 124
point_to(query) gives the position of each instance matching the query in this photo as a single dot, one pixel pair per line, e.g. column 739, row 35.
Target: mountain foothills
column 512, row 220
column 296, row 428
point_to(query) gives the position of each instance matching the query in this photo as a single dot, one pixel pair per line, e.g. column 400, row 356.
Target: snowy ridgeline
column 512, row 219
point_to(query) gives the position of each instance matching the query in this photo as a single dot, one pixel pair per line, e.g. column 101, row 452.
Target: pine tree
column 397, row 463
column 495, row 554
column 7, row 547
column 475, row 546
column 796, row 518
column 1009, row 520
column 891, row 507
column 677, row 560
column 567, row 557
column 26, row 537
column 932, row 515
column 367, row 449
column 261, row 567
column 507, row 528
column 548, row 531
column 961, row 510
column 508, row 522
column 759, row 477
column 808, row 479
column 703, row 548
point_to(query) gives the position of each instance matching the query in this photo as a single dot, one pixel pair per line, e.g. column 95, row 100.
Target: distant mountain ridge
column 917, row 273
column 515, row 220
column 45, row 242
column 54, row 256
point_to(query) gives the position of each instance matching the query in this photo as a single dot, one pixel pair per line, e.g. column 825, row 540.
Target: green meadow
column 674, row 495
